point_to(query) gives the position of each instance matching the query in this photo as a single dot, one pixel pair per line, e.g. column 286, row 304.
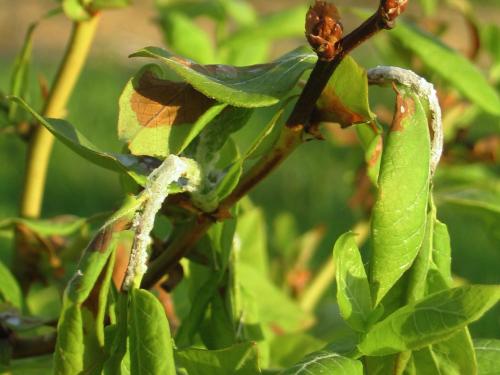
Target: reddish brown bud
column 323, row 29
column 393, row 8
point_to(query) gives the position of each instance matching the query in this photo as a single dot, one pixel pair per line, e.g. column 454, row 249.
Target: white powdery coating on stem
column 382, row 74
column 155, row 192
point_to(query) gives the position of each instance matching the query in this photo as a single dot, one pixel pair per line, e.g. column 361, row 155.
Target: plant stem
column 41, row 144
column 291, row 136
column 25, row 263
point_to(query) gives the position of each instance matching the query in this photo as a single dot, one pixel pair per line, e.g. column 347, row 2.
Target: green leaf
column 450, row 65
column 324, row 362
column 70, row 136
column 353, row 291
column 240, row 359
column 9, row 288
column 399, row 215
column 345, row 97
column 151, row 349
column 252, row 86
column 419, row 271
column 488, row 356
column 441, row 251
column 430, row 320
column 283, row 24
column 117, row 347
column 185, row 38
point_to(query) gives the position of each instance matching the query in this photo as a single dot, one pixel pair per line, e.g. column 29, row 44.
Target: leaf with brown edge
column 249, row 86
column 345, row 98
column 160, row 117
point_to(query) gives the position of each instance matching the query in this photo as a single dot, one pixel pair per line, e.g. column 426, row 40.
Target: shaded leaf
column 151, row 349
column 252, row 86
column 324, row 362
column 240, row 359
column 353, row 291
column 450, row 65
column 432, row 319
column 399, row 215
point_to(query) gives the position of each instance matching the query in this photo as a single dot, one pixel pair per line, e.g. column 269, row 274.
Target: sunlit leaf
column 252, row 86
column 430, row 320
column 151, row 349
column 399, row 215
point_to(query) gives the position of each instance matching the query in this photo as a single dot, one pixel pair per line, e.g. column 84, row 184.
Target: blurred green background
column 319, row 184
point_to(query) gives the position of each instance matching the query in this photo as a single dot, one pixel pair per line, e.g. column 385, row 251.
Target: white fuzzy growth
column 424, row 89
column 155, row 192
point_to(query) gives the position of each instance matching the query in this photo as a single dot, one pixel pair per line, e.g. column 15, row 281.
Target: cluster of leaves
column 235, row 313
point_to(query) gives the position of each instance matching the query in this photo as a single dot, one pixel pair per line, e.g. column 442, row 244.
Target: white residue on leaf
column 171, row 170
column 425, row 90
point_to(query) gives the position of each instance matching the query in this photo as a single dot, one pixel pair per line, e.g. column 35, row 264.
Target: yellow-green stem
column 40, row 146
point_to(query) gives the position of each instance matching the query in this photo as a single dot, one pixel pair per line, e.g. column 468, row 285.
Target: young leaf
column 9, row 288
column 251, row 86
column 77, row 142
column 151, row 349
column 432, row 319
column 186, row 38
column 324, row 362
column 345, row 98
column 399, row 215
column 450, row 65
column 488, row 356
column 240, row 359
column 353, row 291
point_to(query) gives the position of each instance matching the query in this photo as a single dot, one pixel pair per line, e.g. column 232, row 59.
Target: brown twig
column 291, row 136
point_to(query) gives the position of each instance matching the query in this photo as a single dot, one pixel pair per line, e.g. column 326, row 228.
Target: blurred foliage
column 286, row 229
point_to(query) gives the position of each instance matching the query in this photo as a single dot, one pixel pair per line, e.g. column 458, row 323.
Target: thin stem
column 40, row 146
